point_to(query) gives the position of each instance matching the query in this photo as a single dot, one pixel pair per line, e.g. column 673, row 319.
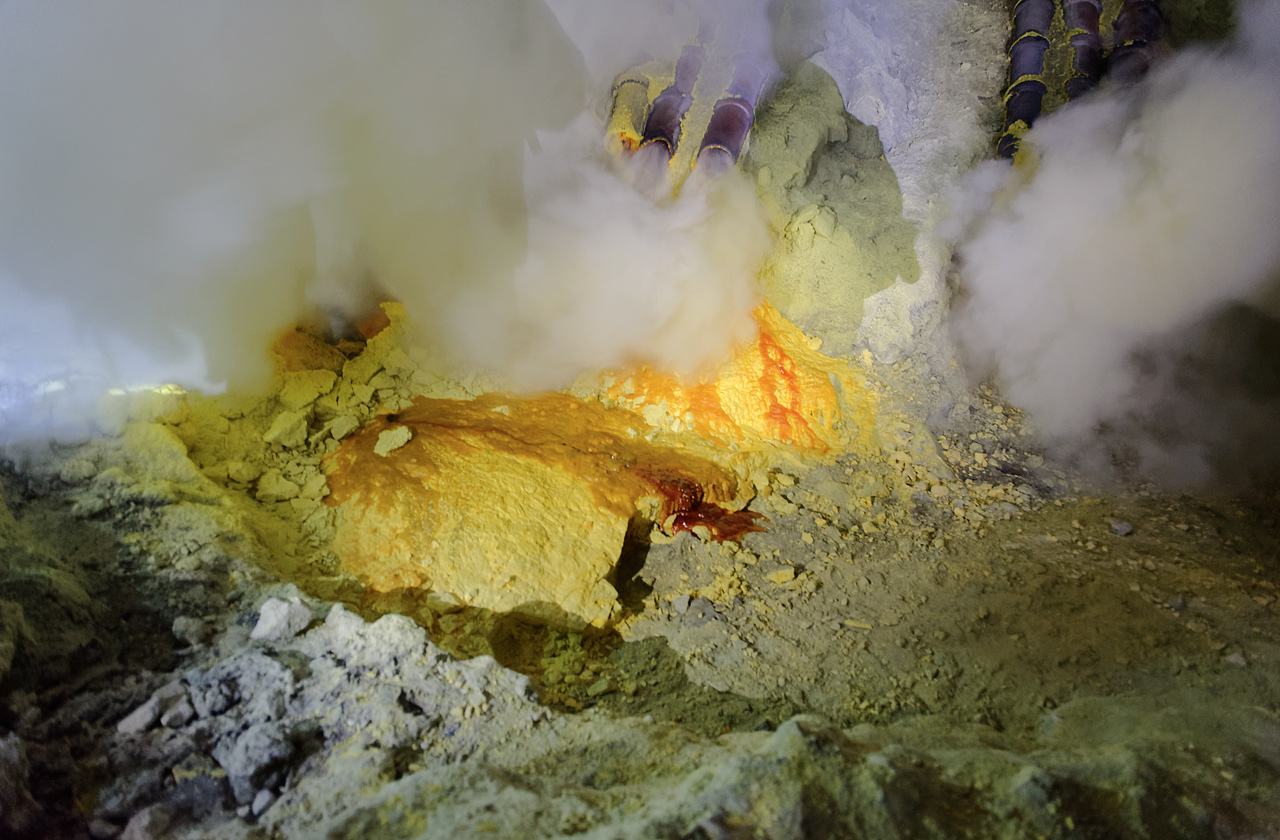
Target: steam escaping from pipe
column 733, row 115
column 180, row 182
column 1109, row 286
column 614, row 278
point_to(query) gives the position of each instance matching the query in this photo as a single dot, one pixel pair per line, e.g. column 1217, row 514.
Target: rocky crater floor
column 1002, row 654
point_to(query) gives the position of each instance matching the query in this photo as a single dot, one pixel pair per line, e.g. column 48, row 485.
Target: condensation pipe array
column 637, row 124
column 1137, row 28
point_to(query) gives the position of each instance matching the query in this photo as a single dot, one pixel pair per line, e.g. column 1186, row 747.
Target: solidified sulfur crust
column 508, row 503
column 523, row 503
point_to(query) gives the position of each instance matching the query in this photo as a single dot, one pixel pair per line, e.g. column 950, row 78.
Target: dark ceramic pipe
column 663, row 125
column 1022, row 100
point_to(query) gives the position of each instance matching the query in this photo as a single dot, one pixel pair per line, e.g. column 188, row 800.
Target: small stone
column 389, row 440
column 243, row 471
column 178, row 715
column 1121, row 528
column 101, row 829
column 148, row 824
column 444, row 603
column 315, row 487
column 140, row 718
column 189, row 630
column 170, row 693
column 1177, row 603
column 782, row 505
column 262, row 802
column 700, row 612
column 280, row 620
column 258, row 759
column 598, row 687
column 680, row 604
column 783, row 575
column 1237, row 659
column 289, row 429
column 301, row 388
column 274, row 487
column 343, row 425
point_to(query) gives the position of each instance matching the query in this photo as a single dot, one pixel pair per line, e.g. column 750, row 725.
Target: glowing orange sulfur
column 776, row 389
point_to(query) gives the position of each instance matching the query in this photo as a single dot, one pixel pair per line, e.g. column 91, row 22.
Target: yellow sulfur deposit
column 523, row 504
column 510, row 503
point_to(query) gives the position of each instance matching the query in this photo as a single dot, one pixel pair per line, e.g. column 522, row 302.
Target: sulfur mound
column 509, row 504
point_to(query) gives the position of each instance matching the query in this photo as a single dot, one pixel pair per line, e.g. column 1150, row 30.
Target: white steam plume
column 179, row 182
column 613, row 278
column 1098, row 282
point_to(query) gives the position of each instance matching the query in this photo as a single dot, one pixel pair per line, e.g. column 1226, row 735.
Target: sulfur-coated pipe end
column 727, row 132
column 713, row 161
column 630, row 109
column 663, row 126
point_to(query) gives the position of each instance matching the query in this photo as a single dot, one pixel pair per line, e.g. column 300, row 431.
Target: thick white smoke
column 1098, row 280
column 179, row 182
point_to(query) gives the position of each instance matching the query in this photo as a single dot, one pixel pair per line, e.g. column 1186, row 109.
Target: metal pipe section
column 663, row 125
column 1137, row 29
column 1023, row 98
column 733, row 115
column 1081, row 18
column 627, row 115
